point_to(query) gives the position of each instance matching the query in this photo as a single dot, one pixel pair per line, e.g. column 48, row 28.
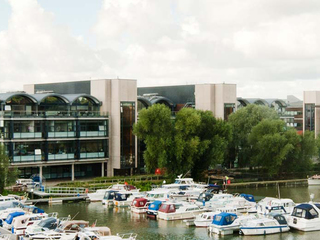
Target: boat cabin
column 155, row 205
column 206, row 196
column 121, row 196
column 306, row 211
column 223, row 219
column 169, row 207
column 75, row 225
column 13, row 215
column 109, row 195
column 139, row 202
column 248, row 197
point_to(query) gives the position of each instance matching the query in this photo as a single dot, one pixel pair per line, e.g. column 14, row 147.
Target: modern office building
column 84, row 129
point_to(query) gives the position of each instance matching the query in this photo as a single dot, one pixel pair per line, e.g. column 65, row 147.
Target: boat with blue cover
column 8, row 222
column 305, row 217
column 227, row 223
column 152, row 210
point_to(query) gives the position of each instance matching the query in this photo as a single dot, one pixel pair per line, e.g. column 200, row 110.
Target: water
column 121, row 220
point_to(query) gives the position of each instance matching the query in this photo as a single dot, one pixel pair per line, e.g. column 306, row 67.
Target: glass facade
column 61, row 150
column 228, row 109
column 93, row 128
column 61, row 129
column 309, row 116
column 27, row 152
column 93, row 149
column 127, row 110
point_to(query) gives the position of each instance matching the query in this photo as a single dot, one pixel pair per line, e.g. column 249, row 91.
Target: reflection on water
column 121, row 220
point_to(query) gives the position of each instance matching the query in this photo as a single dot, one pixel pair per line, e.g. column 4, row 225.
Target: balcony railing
column 57, row 114
column 61, row 134
column 27, row 135
column 61, row 156
column 27, row 158
column 93, row 133
column 92, row 155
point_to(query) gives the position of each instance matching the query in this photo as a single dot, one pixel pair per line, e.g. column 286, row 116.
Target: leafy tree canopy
column 7, row 175
column 194, row 140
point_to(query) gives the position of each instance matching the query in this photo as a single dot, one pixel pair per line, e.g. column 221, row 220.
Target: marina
column 122, row 220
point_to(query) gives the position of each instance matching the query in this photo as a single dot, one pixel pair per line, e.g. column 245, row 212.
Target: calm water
column 120, row 220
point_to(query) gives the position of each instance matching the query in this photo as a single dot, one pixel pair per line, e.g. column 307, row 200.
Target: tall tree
column 7, row 175
column 155, row 128
column 193, row 141
column 242, row 122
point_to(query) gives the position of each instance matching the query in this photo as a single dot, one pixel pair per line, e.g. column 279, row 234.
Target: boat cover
column 50, row 223
column 248, row 197
column 34, row 209
column 223, row 219
column 139, row 202
column 121, row 196
column 155, row 205
column 307, row 208
column 11, row 216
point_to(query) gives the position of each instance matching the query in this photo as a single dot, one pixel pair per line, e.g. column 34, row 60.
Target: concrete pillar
column 40, row 174
column 102, row 169
column 72, row 172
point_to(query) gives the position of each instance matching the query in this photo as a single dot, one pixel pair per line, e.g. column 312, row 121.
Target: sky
column 269, row 48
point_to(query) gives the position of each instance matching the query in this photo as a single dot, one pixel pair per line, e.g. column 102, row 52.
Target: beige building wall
column 29, row 88
column 212, row 97
column 112, row 92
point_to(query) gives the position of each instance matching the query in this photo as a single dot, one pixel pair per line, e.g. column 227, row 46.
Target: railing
column 60, row 156
column 93, row 134
column 27, row 158
column 61, row 134
column 92, row 155
column 27, row 135
column 56, row 114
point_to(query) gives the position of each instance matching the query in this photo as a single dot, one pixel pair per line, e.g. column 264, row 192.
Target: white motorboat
column 227, row 223
column 218, row 200
column 181, row 210
column 49, row 223
column 265, row 205
column 19, row 224
column 100, row 193
column 305, row 217
column 314, row 180
column 204, row 219
column 275, row 223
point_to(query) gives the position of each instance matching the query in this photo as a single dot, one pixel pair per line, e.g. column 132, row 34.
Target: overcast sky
column 269, row 48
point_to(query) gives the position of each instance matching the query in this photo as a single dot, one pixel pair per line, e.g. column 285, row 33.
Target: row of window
column 54, row 129
column 59, row 150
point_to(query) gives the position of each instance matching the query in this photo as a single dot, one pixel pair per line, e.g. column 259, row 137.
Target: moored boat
column 314, row 180
column 274, row 223
column 139, row 205
column 305, row 217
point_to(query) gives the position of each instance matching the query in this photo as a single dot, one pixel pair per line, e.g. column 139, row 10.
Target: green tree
column 7, row 175
column 155, row 128
column 194, row 141
column 242, row 122
column 269, row 145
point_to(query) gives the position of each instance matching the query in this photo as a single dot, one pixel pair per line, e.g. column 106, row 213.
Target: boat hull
column 313, row 181
column 264, row 230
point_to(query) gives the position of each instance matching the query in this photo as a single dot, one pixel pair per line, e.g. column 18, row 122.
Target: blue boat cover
column 307, row 208
column 34, row 209
column 11, row 216
column 155, row 205
column 121, row 196
column 223, row 219
column 248, row 197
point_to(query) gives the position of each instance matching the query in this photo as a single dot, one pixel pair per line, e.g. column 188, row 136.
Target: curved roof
column 158, row 99
column 144, row 101
column 6, row 96
column 73, row 97
column 276, row 100
column 243, row 101
column 41, row 96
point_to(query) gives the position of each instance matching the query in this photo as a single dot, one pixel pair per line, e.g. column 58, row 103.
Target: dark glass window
column 127, row 110
column 309, row 116
column 228, row 109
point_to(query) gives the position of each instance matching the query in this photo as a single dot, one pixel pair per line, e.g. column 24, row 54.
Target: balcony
column 55, row 114
column 93, row 134
column 61, row 134
column 27, row 158
column 60, row 156
column 27, row 135
column 92, row 155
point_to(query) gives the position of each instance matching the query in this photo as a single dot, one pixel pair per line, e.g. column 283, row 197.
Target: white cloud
column 268, row 47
